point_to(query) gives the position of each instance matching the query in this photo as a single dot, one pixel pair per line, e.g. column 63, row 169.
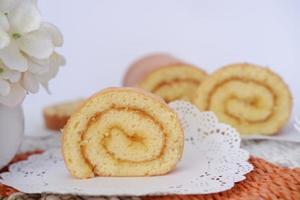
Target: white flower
column 41, row 72
column 11, row 93
column 27, row 50
column 7, row 76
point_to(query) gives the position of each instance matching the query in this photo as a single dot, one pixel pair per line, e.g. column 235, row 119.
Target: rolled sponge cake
column 166, row 76
column 122, row 132
column 253, row 99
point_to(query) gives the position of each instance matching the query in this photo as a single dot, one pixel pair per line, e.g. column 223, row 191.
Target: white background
column 102, row 37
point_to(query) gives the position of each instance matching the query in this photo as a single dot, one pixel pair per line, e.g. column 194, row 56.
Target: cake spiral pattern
column 122, row 132
column 251, row 98
column 165, row 76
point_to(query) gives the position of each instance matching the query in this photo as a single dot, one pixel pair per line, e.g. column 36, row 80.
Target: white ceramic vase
column 11, row 132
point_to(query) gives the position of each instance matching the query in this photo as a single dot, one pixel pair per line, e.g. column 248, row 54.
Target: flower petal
column 30, row 83
column 25, row 17
column 7, row 5
column 38, row 66
column 12, row 58
column 59, row 59
column 56, row 61
column 4, row 39
column 44, row 78
column 4, row 22
column 15, row 97
column 11, row 75
column 4, row 87
column 46, row 87
column 56, row 36
column 37, row 44
column 43, row 62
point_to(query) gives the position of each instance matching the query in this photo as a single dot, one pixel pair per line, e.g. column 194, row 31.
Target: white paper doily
column 212, row 162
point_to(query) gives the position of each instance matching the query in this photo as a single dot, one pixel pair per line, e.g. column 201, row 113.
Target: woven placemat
column 266, row 181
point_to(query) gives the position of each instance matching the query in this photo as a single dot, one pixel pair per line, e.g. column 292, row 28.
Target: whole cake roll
column 165, row 76
column 251, row 98
column 122, row 132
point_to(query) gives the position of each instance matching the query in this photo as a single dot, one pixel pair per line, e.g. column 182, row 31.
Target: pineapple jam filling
column 114, row 140
column 176, row 89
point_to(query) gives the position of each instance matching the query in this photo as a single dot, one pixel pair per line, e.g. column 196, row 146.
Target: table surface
column 286, row 154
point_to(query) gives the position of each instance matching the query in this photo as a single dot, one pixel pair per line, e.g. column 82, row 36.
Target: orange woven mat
column 266, row 181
